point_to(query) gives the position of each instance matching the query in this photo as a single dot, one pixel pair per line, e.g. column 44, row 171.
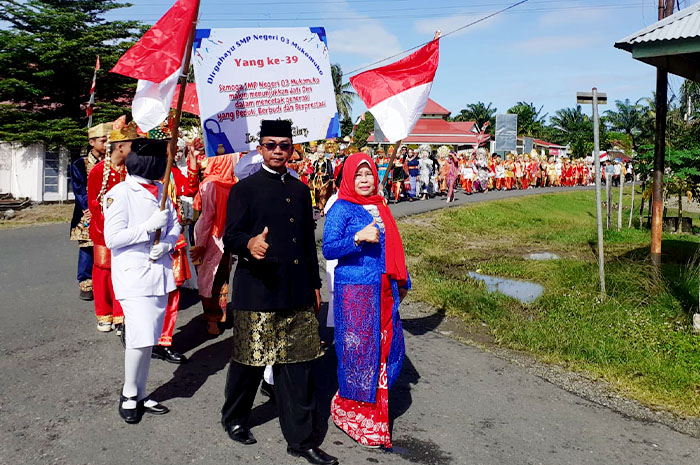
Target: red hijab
column 219, row 171
column 394, row 253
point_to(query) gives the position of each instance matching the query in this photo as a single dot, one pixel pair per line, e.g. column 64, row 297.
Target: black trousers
column 295, row 401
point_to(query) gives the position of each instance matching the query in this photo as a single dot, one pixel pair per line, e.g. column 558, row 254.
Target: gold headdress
column 99, row 130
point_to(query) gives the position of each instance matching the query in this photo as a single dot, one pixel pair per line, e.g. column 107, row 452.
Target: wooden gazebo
column 672, row 45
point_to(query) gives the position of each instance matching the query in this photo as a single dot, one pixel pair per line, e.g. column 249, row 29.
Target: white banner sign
column 244, row 76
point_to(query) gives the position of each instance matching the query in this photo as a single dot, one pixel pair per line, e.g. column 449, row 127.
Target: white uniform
column 140, row 285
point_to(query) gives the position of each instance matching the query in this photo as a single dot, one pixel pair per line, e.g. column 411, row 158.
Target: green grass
column 638, row 338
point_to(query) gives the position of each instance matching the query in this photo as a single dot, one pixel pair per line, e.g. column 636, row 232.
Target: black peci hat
column 275, row 128
column 150, row 147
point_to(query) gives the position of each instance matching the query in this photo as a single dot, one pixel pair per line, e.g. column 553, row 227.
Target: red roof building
column 434, row 129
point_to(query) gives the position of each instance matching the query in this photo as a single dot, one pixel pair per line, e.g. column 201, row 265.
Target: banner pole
column 172, row 146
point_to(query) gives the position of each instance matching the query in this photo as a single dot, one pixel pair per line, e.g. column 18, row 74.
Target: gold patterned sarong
column 267, row 338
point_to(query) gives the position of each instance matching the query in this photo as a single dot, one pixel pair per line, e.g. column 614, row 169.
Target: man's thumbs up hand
column 258, row 245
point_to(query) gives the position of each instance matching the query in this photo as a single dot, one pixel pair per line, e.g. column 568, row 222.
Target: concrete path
column 60, row 378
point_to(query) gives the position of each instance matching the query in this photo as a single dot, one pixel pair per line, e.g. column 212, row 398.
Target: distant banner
column 506, row 133
column 244, row 76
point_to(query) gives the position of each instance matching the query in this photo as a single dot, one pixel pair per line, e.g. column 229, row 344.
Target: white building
column 35, row 173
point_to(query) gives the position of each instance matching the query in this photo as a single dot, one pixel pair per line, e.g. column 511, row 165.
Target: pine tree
column 47, row 59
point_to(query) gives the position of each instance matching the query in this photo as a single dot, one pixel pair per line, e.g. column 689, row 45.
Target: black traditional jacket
column 288, row 276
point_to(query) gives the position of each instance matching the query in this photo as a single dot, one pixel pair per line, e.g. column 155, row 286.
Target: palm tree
column 572, row 126
column 478, row 112
column 569, row 120
column 690, row 98
column 530, row 119
column 344, row 96
column 628, row 118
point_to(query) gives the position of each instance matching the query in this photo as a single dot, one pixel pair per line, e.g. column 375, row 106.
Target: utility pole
column 595, row 98
column 657, row 202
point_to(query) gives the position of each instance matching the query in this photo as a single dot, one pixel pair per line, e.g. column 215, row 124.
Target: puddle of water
column 543, row 256
column 525, row 291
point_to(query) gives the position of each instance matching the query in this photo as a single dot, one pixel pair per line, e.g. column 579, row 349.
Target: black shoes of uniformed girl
column 129, row 415
column 134, row 415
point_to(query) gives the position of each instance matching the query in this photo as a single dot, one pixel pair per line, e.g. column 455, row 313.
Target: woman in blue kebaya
column 370, row 281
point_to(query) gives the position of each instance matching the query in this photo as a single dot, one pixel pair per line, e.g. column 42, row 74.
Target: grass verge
column 639, row 339
column 38, row 215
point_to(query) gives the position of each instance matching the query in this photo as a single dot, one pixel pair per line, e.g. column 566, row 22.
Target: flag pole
column 91, row 103
column 172, row 146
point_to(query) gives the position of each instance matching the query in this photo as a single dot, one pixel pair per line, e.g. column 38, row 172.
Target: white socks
column 136, row 365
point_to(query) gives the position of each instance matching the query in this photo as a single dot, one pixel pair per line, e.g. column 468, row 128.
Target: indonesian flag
column 156, row 61
column 91, row 103
column 396, row 94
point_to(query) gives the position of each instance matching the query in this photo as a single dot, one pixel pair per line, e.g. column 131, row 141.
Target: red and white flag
column 156, row 61
column 396, row 94
column 91, row 104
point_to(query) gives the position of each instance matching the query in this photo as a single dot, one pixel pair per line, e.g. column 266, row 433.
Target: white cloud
column 556, row 44
column 450, row 23
column 369, row 40
column 566, row 17
column 365, row 37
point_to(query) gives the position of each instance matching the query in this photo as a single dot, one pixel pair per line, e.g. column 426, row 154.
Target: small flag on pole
column 156, row 61
column 91, row 103
column 396, row 94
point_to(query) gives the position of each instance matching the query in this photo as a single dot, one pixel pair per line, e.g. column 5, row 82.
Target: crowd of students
column 423, row 173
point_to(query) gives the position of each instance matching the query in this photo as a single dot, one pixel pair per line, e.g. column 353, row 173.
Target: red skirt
column 366, row 422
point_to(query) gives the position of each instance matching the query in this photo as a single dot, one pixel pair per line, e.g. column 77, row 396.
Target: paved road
column 454, row 404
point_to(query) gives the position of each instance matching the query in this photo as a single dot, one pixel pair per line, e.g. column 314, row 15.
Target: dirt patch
column 38, row 215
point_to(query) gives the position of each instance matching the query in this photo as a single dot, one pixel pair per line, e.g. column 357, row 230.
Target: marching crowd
column 142, row 238
column 423, row 173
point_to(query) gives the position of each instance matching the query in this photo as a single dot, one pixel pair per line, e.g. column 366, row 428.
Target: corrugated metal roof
column 683, row 24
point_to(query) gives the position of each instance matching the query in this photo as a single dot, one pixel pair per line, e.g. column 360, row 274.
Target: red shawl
column 394, row 253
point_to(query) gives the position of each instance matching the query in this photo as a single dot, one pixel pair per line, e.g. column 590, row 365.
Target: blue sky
column 543, row 51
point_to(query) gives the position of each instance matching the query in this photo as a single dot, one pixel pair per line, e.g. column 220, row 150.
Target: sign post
column 595, row 99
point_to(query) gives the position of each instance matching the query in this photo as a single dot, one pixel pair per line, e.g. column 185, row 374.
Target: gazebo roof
column 672, row 44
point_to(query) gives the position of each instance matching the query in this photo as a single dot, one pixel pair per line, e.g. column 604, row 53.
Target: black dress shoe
column 169, row 355
column 86, row 295
column 129, row 415
column 240, row 433
column 314, row 455
column 267, row 390
column 158, row 409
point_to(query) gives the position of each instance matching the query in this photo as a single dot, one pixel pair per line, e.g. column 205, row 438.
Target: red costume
column 107, row 308
column 187, row 186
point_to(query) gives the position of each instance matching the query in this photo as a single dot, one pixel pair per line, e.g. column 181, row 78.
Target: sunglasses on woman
column 284, row 146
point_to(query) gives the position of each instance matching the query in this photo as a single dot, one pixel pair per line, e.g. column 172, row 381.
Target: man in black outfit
column 276, row 295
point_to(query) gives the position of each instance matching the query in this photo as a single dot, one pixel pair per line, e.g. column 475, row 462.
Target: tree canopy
column 344, row 95
column 479, row 112
column 531, row 121
column 47, row 60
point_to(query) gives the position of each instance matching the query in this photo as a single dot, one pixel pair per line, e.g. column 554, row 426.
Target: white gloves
column 158, row 250
column 157, row 220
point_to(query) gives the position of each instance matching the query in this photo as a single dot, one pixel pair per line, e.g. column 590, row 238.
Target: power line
column 258, row 17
